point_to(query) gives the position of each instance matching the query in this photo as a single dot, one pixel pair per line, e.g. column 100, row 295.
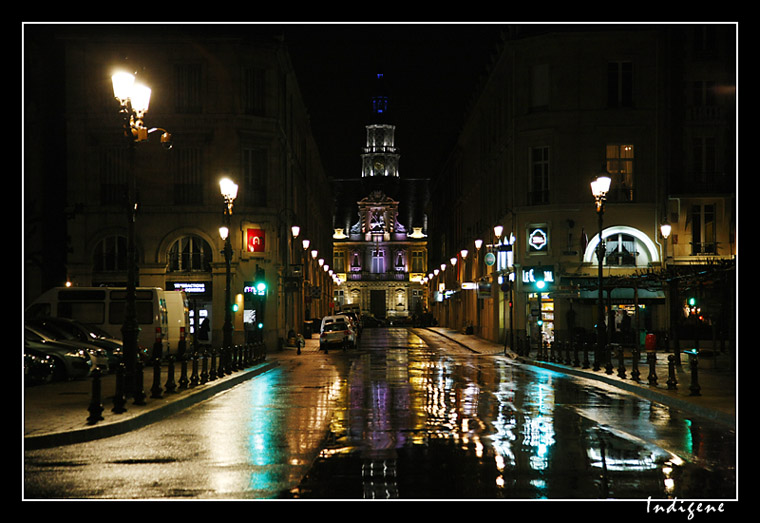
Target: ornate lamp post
column 134, row 100
column 599, row 189
column 229, row 193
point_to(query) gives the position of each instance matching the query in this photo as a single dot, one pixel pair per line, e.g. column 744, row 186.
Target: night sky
column 431, row 71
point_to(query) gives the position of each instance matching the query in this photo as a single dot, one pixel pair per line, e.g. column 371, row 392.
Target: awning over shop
column 625, row 294
column 587, row 290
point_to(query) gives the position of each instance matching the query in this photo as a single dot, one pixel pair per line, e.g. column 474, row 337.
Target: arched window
column 110, row 254
column 624, row 247
column 190, row 254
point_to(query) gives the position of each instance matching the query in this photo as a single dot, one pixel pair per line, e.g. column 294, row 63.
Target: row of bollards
column 568, row 353
column 204, row 366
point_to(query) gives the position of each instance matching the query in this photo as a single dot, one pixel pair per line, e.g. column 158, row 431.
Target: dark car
column 69, row 362
column 89, row 334
column 39, row 367
column 50, row 332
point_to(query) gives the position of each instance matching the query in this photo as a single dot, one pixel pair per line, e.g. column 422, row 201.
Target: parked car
column 352, row 332
column 334, row 333
column 69, row 362
column 38, row 367
column 357, row 322
column 98, row 356
column 89, row 334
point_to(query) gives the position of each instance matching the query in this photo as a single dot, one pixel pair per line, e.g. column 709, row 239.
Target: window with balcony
column 255, row 176
column 186, row 168
column 187, row 88
column 418, row 261
column 620, row 165
column 378, row 261
column 703, row 228
column 113, row 169
column 339, row 261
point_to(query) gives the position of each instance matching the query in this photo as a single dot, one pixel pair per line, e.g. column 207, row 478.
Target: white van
column 104, row 307
column 178, row 319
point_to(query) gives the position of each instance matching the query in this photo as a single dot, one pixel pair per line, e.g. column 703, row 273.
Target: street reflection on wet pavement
column 419, row 422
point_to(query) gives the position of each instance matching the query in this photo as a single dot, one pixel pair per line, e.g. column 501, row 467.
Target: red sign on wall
column 255, row 240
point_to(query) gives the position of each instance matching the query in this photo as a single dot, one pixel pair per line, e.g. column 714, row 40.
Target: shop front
column 200, row 300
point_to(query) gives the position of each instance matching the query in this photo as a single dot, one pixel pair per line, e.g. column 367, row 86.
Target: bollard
column 96, row 407
column 212, row 367
column 597, row 357
column 139, row 394
column 170, row 386
column 586, row 363
column 183, row 381
column 568, row 353
column 672, row 382
column 194, row 378
column 182, row 355
column 204, row 372
column 610, row 368
column 576, row 360
column 119, row 400
column 652, row 360
column 694, row 364
column 621, row 362
column 635, row 364
column 155, row 391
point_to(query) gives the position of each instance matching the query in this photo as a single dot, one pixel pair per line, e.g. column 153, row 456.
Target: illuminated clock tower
column 380, row 157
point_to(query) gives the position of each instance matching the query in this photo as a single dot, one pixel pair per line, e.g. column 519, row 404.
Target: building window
column 253, row 90
column 620, row 163
column 418, row 261
column 113, row 168
column 620, row 250
column 400, row 262
column 378, row 261
column 703, row 229
column 620, row 84
column 339, row 260
column 186, row 168
column 356, row 262
column 539, row 176
column 539, row 92
column 190, row 254
column 255, row 175
column 704, row 168
column 187, row 88
column 110, row 254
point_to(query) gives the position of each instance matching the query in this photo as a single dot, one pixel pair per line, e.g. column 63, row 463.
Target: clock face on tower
column 378, row 166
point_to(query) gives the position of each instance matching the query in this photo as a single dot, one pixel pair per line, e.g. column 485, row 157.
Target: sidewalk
column 718, row 387
column 56, row 414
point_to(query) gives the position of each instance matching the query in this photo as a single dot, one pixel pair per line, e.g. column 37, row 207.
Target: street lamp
column 599, row 189
column 134, row 100
column 229, row 191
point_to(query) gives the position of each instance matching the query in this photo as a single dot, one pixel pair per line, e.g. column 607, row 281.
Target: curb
column 145, row 418
column 647, row 393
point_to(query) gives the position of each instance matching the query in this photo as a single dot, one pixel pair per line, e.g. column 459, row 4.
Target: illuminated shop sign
column 255, row 240
column 538, row 239
column 192, row 287
column 538, row 277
